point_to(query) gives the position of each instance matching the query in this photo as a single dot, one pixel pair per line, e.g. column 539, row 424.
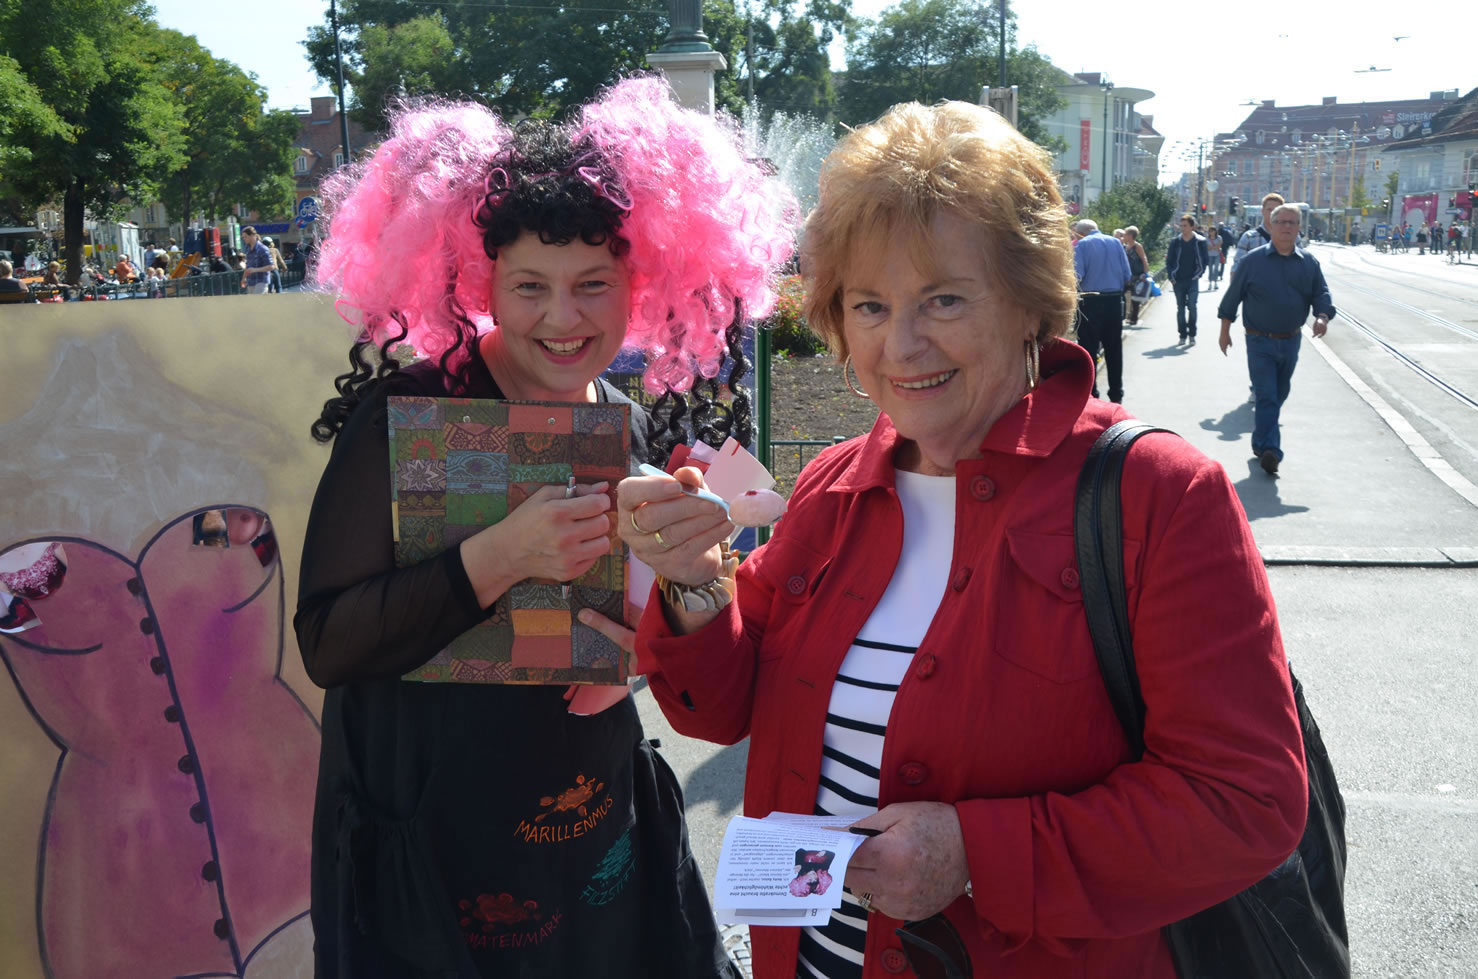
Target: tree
column 235, row 152
column 1139, row 203
column 524, row 59
column 927, row 50
column 117, row 129
column 541, row 61
column 1358, row 195
column 779, row 51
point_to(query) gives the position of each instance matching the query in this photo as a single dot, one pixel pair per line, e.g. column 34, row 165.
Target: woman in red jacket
column 909, row 653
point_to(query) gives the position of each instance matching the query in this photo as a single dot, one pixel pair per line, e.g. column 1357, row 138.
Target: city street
column 1371, row 536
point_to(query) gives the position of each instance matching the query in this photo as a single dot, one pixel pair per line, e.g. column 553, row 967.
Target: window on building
column 1260, row 136
column 300, row 164
column 338, row 158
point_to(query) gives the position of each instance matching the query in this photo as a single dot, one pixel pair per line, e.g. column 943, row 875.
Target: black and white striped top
column 862, row 699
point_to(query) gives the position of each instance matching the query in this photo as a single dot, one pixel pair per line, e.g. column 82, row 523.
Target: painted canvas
column 158, row 734
column 458, row 466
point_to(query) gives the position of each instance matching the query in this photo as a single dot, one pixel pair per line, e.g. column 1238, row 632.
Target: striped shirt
column 862, row 699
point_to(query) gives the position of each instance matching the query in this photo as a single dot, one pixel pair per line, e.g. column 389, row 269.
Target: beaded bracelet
column 709, row 597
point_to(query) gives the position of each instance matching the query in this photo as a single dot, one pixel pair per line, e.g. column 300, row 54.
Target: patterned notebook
column 458, row 465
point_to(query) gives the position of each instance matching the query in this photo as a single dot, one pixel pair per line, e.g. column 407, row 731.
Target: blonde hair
column 1132, row 230
column 1275, row 196
column 889, row 179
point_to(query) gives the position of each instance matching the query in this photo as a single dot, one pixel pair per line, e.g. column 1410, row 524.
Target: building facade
column 1437, row 166
column 1329, row 155
column 1108, row 142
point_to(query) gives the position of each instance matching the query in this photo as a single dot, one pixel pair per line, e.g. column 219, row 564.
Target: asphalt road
column 1387, row 650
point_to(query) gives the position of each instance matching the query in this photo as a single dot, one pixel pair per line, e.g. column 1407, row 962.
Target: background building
column 1107, row 141
column 1325, row 154
column 1438, row 165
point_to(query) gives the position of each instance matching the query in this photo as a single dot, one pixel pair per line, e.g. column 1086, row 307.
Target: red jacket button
column 913, row 772
column 894, row 961
column 982, row 488
column 795, row 584
column 925, row 668
column 1069, row 577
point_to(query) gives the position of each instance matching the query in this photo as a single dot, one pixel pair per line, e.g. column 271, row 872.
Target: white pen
column 564, row 589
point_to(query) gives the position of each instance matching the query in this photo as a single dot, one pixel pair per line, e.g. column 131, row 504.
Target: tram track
column 1410, row 362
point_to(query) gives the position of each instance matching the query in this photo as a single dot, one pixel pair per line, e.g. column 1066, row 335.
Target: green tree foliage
column 114, row 131
column 541, row 60
column 777, row 49
column 1359, row 197
column 927, row 50
column 1139, row 203
column 235, row 152
column 1393, row 181
column 526, row 60
column 26, row 113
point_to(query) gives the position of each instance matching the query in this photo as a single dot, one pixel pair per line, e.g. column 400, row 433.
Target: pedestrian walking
column 1254, row 238
column 1139, row 271
column 1276, row 287
column 257, row 270
column 1103, row 272
column 1421, row 241
column 274, row 278
column 1185, row 263
column 1213, row 259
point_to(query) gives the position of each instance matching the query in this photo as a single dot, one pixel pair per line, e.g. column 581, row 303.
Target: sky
column 1202, row 59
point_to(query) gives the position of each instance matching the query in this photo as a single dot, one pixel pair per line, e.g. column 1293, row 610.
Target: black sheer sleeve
column 359, row 616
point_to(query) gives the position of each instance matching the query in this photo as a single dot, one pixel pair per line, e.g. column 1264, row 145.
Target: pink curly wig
column 706, row 228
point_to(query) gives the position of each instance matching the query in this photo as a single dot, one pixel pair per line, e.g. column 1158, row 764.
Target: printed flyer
column 785, row 869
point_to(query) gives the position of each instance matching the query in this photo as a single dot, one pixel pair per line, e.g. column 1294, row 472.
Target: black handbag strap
column 1098, row 535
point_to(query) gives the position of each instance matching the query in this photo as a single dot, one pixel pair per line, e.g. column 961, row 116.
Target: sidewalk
column 1349, row 490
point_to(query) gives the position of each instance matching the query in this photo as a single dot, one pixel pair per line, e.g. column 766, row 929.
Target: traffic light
column 1235, row 206
column 1377, row 163
column 1203, row 208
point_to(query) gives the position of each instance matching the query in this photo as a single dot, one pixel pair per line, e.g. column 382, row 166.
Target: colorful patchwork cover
column 458, row 465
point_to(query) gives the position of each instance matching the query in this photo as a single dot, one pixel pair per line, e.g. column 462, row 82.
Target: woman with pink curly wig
column 492, row 830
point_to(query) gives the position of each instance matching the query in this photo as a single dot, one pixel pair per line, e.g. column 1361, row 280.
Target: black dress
column 466, row 830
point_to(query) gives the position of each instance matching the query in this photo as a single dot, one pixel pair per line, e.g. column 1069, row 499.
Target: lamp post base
column 691, row 75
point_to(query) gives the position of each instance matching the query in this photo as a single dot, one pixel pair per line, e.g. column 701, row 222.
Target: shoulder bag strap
column 1098, row 536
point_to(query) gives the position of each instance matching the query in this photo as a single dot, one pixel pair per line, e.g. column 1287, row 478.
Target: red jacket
column 1077, row 856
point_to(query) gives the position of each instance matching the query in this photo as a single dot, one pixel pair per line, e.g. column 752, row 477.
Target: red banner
column 1085, row 141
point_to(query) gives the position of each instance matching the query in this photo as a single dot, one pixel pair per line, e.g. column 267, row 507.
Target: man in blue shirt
column 1185, row 261
column 1103, row 275
column 258, row 271
column 1276, row 286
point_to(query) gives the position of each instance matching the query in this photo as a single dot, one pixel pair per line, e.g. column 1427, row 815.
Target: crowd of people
column 261, row 263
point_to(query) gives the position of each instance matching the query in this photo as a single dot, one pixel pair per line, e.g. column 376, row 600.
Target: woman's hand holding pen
column 547, row 536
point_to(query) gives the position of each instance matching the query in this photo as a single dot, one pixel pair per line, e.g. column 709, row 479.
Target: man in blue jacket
column 1185, row 261
column 1276, row 285
column 1103, row 275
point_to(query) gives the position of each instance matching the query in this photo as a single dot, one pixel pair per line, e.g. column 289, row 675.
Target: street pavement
column 1373, row 559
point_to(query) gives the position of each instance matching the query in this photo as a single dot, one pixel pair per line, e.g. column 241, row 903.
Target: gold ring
column 636, row 526
column 660, row 542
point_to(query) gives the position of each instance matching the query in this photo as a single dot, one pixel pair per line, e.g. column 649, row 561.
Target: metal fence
column 205, row 284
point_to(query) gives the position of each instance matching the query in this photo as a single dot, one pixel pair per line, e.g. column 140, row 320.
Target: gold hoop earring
column 854, row 388
column 1033, row 364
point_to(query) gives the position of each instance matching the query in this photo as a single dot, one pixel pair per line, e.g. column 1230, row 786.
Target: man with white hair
column 1276, row 285
column 1103, row 275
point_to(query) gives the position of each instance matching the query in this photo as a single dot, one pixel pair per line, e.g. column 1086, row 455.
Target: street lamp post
column 1108, row 93
column 333, row 16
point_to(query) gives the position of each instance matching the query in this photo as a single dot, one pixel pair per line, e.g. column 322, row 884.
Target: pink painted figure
column 176, row 836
